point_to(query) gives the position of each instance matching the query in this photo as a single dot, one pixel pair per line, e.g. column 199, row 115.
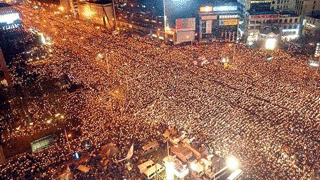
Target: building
column 220, row 22
column 287, row 22
column 255, row 5
column 290, row 25
column 183, row 153
column 311, row 25
column 14, row 38
column 307, row 7
column 97, row 12
column 311, row 31
column 283, row 5
column 259, row 20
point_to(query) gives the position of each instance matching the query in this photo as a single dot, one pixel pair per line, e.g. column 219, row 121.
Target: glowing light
column 61, row 8
column 232, row 163
column 9, row 18
column 77, row 155
column 194, row 166
column 314, row 63
column 69, row 135
column 49, row 121
column 43, row 40
column 169, row 170
column 206, row 9
column 225, row 8
column 270, row 44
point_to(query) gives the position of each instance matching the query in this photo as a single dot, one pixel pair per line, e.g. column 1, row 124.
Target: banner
column 186, row 24
column 185, row 36
column 228, row 22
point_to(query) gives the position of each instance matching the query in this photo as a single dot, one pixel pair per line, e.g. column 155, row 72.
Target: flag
column 130, row 153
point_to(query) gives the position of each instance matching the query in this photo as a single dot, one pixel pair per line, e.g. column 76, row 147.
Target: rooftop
column 101, row 1
column 262, row 12
column 316, row 16
column 288, row 13
column 4, row 5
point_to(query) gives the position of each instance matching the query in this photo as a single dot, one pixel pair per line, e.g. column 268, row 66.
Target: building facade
column 219, row 23
column 311, row 25
column 306, row 7
column 97, row 13
column 288, row 23
column 282, row 5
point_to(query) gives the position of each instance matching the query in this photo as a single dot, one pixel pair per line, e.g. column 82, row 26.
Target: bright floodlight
column 232, row 163
column 61, row 8
column 270, row 44
column 9, row 18
column 314, row 63
column 169, row 170
column 194, row 166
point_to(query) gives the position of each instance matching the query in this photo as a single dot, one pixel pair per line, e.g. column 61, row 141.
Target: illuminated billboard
column 228, row 22
column 9, row 18
column 186, row 24
column 206, row 9
column 225, row 8
column 185, row 36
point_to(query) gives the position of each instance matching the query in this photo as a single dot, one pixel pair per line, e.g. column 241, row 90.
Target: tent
column 83, row 168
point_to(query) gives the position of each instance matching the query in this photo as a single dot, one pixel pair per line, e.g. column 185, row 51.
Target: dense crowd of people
column 264, row 113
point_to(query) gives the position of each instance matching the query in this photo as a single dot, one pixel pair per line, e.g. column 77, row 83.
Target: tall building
column 14, row 38
column 283, row 5
column 219, row 22
column 307, row 7
column 255, row 5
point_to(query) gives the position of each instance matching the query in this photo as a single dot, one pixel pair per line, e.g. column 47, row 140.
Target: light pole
column 165, row 20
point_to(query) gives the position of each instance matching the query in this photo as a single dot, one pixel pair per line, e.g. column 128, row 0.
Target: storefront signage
column 228, row 22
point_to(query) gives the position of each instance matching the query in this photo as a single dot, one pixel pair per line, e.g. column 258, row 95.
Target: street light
column 61, row 8
column 232, row 163
column 270, row 44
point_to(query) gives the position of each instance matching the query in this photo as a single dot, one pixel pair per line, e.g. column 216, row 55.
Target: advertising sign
column 206, row 9
column 186, row 24
column 185, row 36
column 228, row 22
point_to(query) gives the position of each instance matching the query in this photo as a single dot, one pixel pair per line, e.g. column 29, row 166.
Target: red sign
column 266, row 16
